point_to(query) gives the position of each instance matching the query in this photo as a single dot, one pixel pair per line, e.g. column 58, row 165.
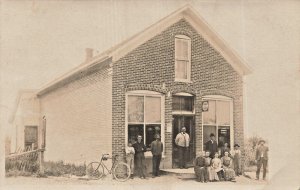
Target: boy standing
column 129, row 150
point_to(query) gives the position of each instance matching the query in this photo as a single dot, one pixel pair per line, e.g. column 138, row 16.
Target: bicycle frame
column 113, row 158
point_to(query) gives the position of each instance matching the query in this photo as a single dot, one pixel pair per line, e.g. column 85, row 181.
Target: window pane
column 223, row 112
column 135, row 108
column 207, row 130
column 181, row 69
column 187, row 103
column 31, row 134
column 223, row 135
column 151, row 131
column 152, row 110
column 134, row 131
column 183, row 103
column 209, row 117
column 176, row 103
column 182, row 49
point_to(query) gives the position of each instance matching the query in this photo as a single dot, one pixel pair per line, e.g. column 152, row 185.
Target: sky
column 41, row 40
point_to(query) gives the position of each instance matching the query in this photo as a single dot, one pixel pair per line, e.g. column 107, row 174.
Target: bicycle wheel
column 121, row 171
column 94, row 170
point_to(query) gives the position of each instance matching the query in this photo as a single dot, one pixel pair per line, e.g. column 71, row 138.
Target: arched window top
column 144, row 92
column 183, row 37
column 183, row 94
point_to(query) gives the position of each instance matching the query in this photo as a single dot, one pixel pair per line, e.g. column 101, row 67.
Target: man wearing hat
column 236, row 155
column 156, row 149
column 182, row 141
column 261, row 158
column 211, row 146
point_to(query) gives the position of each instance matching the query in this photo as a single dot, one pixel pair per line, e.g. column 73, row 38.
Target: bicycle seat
column 105, row 156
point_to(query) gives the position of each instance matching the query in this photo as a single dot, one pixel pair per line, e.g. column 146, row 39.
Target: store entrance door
column 180, row 121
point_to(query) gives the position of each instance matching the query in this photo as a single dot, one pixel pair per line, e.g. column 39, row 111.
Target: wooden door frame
column 191, row 137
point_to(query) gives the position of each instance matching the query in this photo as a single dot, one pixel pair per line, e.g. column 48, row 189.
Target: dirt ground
column 162, row 182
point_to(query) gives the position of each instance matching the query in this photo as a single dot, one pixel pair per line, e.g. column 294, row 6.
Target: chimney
column 88, row 54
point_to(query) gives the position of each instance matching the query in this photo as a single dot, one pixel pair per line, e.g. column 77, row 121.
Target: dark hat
column 212, row 135
column 236, row 145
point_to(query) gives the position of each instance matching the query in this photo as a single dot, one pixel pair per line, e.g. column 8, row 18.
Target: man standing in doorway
column 211, row 146
column 182, row 141
column 261, row 159
column 156, row 149
column 140, row 148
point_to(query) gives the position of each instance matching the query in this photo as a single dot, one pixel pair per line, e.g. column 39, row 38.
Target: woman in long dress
column 227, row 166
column 200, row 168
column 216, row 164
column 211, row 174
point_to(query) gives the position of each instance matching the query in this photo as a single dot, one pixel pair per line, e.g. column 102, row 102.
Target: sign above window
column 205, row 106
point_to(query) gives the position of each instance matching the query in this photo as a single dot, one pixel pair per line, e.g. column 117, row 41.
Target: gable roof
column 191, row 16
column 22, row 94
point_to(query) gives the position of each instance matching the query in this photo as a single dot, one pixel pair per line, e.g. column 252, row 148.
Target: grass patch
column 16, row 173
column 61, row 169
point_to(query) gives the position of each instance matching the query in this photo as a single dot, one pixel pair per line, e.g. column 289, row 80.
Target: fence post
column 41, row 161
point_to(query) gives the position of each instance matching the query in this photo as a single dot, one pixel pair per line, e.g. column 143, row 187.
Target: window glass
column 152, row 109
column 176, row 103
column 223, row 112
column 182, row 49
column 224, row 135
column 134, row 131
column 151, row 131
column 182, row 58
column 181, row 69
column 209, row 117
column 135, row 108
column 138, row 108
column 187, row 103
column 183, row 103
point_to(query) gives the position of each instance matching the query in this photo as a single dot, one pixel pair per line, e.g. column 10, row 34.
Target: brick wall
column 78, row 118
column 151, row 65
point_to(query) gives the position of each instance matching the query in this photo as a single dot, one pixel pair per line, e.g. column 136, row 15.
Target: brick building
column 177, row 72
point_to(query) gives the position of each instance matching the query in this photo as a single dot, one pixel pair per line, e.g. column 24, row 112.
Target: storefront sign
column 205, row 106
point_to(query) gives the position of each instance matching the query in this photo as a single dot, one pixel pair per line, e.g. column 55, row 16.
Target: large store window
column 144, row 116
column 217, row 119
column 182, row 58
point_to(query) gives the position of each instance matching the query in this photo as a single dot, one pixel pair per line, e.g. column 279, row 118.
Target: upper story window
column 182, row 58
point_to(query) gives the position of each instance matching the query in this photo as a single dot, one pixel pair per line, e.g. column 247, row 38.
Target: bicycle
column 120, row 170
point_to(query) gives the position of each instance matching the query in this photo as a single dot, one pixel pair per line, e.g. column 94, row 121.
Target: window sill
column 183, row 81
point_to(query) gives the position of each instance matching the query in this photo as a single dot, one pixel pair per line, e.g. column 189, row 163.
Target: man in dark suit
column 156, row 149
column 139, row 158
column 211, row 146
column 261, row 159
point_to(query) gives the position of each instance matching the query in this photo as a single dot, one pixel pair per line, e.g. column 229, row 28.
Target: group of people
column 215, row 169
column 223, row 164
column 135, row 156
column 213, row 164
column 210, row 165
